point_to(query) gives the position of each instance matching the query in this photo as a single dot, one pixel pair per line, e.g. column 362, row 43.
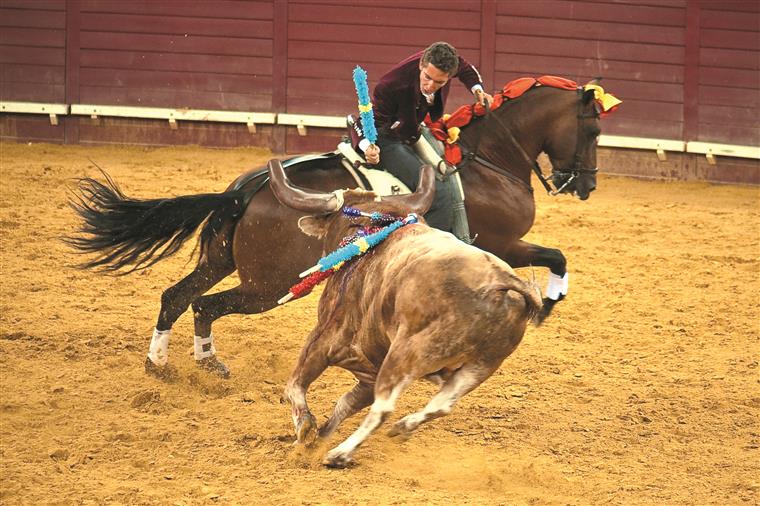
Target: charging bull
column 421, row 304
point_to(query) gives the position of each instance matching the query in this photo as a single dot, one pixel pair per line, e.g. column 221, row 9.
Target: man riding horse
column 414, row 88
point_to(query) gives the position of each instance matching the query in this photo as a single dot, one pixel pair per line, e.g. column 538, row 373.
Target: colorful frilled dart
column 331, row 263
column 365, row 104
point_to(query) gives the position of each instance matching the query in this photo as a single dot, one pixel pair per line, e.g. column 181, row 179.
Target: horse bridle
column 566, row 175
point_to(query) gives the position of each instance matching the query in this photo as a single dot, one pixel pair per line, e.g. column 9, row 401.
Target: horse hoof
column 337, row 460
column 306, row 430
column 214, row 365
column 165, row 372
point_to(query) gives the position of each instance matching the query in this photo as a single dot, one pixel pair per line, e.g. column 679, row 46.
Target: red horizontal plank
column 676, row 4
column 353, row 52
column 193, row 8
column 736, row 97
column 584, row 69
column 322, row 88
column 320, row 140
column 372, row 14
column 591, row 30
column 158, row 133
column 379, row 35
column 638, row 127
column 320, row 105
column 20, row 73
column 34, row 37
column 728, row 20
column 729, row 58
column 618, row 51
column 29, row 128
column 730, row 5
column 196, row 44
column 157, row 97
column 562, row 9
column 452, row 6
column 175, row 62
column 732, row 39
column 37, row 5
column 728, row 170
column 339, row 69
column 738, row 116
column 32, row 92
column 189, row 81
column 728, row 134
column 734, row 78
column 32, row 55
column 176, row 25
column 28, row 18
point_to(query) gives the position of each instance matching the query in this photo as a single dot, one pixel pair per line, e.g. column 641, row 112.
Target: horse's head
column 572, row 145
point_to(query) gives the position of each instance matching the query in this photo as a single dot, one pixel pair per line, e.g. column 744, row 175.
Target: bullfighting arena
column 642, row 388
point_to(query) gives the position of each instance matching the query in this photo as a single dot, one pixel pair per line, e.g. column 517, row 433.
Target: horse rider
column 417, row 86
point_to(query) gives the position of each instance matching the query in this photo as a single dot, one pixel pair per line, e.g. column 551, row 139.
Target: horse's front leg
column 524, row 254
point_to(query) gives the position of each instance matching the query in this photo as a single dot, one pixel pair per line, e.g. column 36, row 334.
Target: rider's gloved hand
column 483, row 98
column 372, row 154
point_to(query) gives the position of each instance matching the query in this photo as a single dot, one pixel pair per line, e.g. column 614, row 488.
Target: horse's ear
column 315, row 226
column 588, row 96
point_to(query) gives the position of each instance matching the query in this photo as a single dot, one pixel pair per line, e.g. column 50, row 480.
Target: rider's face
column 432, row 78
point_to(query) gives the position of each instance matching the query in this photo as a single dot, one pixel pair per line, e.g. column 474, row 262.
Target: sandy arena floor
column 643, row 388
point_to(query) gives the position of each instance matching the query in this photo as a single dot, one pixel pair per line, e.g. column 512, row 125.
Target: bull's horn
column 420, row 201
column 311, row 202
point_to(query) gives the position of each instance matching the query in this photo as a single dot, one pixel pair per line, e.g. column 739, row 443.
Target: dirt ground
column 642, row 388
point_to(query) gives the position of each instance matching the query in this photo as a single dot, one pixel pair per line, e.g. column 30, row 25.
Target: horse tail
column 124, row 231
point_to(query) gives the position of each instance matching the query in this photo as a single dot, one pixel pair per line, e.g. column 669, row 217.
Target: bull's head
column 321, row 206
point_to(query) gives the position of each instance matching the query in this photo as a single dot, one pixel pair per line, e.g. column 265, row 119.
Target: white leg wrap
column 159, row 347
column 204, row 347
column 557, row 286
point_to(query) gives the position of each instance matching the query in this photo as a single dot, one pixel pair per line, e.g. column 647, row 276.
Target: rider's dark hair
column 443, row 56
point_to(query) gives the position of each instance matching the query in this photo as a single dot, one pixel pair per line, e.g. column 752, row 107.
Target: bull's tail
column 529, row 290
column 123, row 231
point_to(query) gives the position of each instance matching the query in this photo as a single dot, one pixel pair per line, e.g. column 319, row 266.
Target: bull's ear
column 315, row 226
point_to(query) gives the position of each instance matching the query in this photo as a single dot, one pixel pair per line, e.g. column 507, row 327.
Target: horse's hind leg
column 212, row 268
column 524, row 254
column 210, row 308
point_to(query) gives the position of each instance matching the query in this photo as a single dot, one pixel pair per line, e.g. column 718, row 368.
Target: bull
column 422, row 304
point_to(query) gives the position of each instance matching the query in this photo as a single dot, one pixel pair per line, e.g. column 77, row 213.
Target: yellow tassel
column 453, row 135
column 607, row 100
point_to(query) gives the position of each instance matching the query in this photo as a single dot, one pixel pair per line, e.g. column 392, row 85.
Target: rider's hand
column 372, row 154
column 483, row 98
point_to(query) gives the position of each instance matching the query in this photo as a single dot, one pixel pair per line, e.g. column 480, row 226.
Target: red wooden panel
column 731, row 5
column 158, row 133
column 562, row 9
column 729, row 58
column 381, row 17
column 738, row 116
column 328, row 88
column 322, row 105
column 627, row 89
column 731, row 39
column 176, row 43
column 320, row 140
column 203, row 9
column 728, row 20
column 367, row 53
column 29, row 18
column 32, row 92
column 155, row 97
column 37, row 5
column 439, row 5
column 176, row 25
column 340, row 69
column 593, row 30
column 20, row 73
column 619, row 51
column 379, row 35
column 34, row 37
column 642, row 127
column 177, row 80
column 735, row 78
column 729, row 134
column 583, row 69
column 735, row 97
column 28, row 127
column 728, row 170
column 175, row 62
column 32, row 55
column 678, row 4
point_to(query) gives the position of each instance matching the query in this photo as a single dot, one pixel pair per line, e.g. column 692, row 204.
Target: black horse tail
column 124, row 231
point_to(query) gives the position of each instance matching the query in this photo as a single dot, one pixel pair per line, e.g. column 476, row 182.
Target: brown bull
column 422, row 304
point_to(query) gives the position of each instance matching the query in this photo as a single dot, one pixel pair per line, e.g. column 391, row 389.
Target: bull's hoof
column 306, row 429
column 166, row 372
column 337, row 460
column 400, row 430
column 214, row 365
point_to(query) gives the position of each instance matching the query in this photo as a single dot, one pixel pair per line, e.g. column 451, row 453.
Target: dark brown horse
column 247, row 230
